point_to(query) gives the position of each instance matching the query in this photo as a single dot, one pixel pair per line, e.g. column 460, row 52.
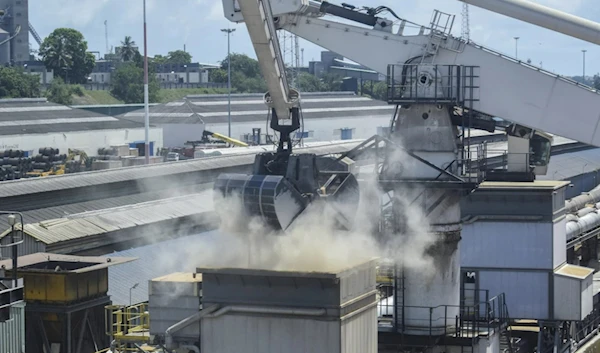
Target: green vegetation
column 127, row 84
column 164, row 95
column 14, row 83
column 61, row 93
column 173, row 57
column 65, row 52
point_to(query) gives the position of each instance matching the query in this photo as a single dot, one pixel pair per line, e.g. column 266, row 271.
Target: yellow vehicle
column 74, row 155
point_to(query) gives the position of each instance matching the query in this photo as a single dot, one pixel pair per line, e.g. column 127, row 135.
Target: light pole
column 146, row 108
column 516, row 47
column 228, row 31
column 130, row 289
column 583, row 51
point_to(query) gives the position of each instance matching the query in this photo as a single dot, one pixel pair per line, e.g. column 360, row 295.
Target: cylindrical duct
column 543, row 16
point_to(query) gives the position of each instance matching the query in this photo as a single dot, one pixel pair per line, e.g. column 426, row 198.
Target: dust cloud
column 314, row 243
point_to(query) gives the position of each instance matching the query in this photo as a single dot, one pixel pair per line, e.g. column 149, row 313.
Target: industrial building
column 327, row 116
column 32, row 123
column 192, row 73
column 14, row 31
column 333, row 63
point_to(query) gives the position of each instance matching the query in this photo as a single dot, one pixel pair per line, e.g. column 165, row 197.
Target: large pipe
column 186, row 322
column 543, row 16
column 267, row 310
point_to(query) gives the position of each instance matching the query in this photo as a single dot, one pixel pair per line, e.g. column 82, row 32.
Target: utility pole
column 583, row 51
column 228, row 31
column 146, row 109
column 516, row 47
column 106, row 37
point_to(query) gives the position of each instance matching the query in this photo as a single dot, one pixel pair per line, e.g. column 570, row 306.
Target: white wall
column 176, row 135
column 560, row 242
column 260, row 334
column 507, row 245
column 323, row 128
column 89, row 141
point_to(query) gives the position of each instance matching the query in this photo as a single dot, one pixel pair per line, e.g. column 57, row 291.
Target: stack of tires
column 14, row 164
column 107, row 154
column 47, row 158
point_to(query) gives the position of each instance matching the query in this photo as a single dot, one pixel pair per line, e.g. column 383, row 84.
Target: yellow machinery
column 64, row 293
column 224, row 138
column 128, row 326
column 74, row 155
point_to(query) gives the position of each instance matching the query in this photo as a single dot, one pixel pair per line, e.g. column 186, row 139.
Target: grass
column 95, row 97
column 164, row 95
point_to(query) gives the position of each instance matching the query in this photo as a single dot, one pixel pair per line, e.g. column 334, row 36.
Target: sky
column 171, row 24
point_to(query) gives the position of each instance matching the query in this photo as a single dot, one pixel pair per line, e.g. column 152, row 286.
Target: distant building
column 165, row 73
column 38, row 68
column 336, row 64
column 14, row 31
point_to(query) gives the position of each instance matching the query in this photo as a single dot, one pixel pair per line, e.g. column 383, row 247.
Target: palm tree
column 128, row 49
column 57, row 56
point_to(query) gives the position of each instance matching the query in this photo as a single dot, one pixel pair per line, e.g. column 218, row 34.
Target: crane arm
column 506, row 87
column 543, row 16
column 259, row 19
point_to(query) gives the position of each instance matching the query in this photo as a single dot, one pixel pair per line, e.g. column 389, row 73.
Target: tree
column 380, row 91
column 14, row 83
column 597, row 81
column 244, row 64
column 127, row 84
column 65, row 52
column 159, row 59
column 179, row 57
column 59, row 93
column 128, row 49
column 217, row 75
column 309, row 83
column 331, row 82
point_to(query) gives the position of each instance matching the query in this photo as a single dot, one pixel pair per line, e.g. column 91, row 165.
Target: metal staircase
column 35, row 34
column 508, row 344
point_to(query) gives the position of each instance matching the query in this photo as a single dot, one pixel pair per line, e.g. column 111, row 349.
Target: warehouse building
column 28, row 124
column 102, row 211
column 326, row 116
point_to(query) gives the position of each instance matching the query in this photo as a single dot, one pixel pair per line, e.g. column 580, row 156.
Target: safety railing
column 436, row 84
column 484, row 316
column 128, row 323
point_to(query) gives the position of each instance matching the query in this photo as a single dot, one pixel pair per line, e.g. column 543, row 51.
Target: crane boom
column 507, row 88
column 258, row 17
column 543, row 16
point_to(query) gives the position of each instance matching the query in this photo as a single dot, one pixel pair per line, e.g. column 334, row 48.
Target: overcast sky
column 196, row 23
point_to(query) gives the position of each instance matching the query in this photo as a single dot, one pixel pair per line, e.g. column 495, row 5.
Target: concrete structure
column 173, row 298
column 38, row 68
column 326, row 116
column 16, row 14
column 333, row 310
column 192, row 73
column 30, row 124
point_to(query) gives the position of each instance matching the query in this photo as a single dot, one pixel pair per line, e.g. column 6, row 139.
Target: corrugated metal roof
column 154, row 260
column 568, row 165
column 68, row 181
column 109, row 220
column 37, row 116
column 213, row 109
